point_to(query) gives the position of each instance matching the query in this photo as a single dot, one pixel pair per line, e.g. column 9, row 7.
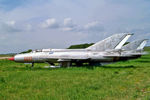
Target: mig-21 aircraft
column 102, row 51
column 130, row 51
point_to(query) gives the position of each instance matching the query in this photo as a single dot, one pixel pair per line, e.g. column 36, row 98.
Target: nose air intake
column 11, row 59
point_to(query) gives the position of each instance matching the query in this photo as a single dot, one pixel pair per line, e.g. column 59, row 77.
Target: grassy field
column 6, row 55
column 129, row 80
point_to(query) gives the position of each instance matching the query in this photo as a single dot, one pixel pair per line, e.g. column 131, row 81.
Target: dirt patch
column 4, row 57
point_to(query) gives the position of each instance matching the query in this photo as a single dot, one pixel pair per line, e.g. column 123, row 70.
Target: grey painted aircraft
column 130, row 51
column 106, row 50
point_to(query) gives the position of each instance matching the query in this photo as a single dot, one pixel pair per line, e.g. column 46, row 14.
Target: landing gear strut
column 65, row 64
column 32, row 65
column 79, row 64
column 94, row 63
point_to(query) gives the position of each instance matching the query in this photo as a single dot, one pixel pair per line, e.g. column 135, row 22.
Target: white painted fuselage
column 56, row 55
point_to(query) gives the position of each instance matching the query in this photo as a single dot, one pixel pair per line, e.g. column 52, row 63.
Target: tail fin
column 135, row 45
column 113, row 42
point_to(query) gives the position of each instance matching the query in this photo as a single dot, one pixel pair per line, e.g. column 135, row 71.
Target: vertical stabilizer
column 113, row 42
column 135, row 45
column 142, row 45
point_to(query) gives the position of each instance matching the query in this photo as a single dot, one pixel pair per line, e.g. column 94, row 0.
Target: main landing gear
column 32, row 65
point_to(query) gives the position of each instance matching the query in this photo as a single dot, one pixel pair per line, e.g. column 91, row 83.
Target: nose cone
column 11, row 59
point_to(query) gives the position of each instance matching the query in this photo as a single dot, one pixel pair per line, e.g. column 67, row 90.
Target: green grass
column 1, row 55
column 128, row 80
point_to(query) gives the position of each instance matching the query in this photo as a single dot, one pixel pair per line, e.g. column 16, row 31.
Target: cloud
column 94, row 26
column 11, row 23
column 73, row 21
column 68, row 22
column 68, row 25
column 28, row 27
column 9, row 26
column 67, row 29
column 50, row 23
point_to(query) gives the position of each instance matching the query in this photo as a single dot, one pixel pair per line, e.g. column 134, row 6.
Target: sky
column 37, row 24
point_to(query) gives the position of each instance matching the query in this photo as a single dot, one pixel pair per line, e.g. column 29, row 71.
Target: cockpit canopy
column 42, row 50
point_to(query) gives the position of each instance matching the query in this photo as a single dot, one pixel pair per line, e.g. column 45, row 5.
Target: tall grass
column 128, row 80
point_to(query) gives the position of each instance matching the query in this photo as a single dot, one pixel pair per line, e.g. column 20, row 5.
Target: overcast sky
column 36, row 24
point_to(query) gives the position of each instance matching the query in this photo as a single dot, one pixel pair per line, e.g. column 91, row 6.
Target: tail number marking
column 27, row 58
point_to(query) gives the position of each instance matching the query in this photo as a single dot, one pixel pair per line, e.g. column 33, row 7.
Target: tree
column 80, row 46
column 30, row 50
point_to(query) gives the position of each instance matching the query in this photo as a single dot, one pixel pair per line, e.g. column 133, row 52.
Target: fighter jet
column 130, row 51
column 65, row 57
